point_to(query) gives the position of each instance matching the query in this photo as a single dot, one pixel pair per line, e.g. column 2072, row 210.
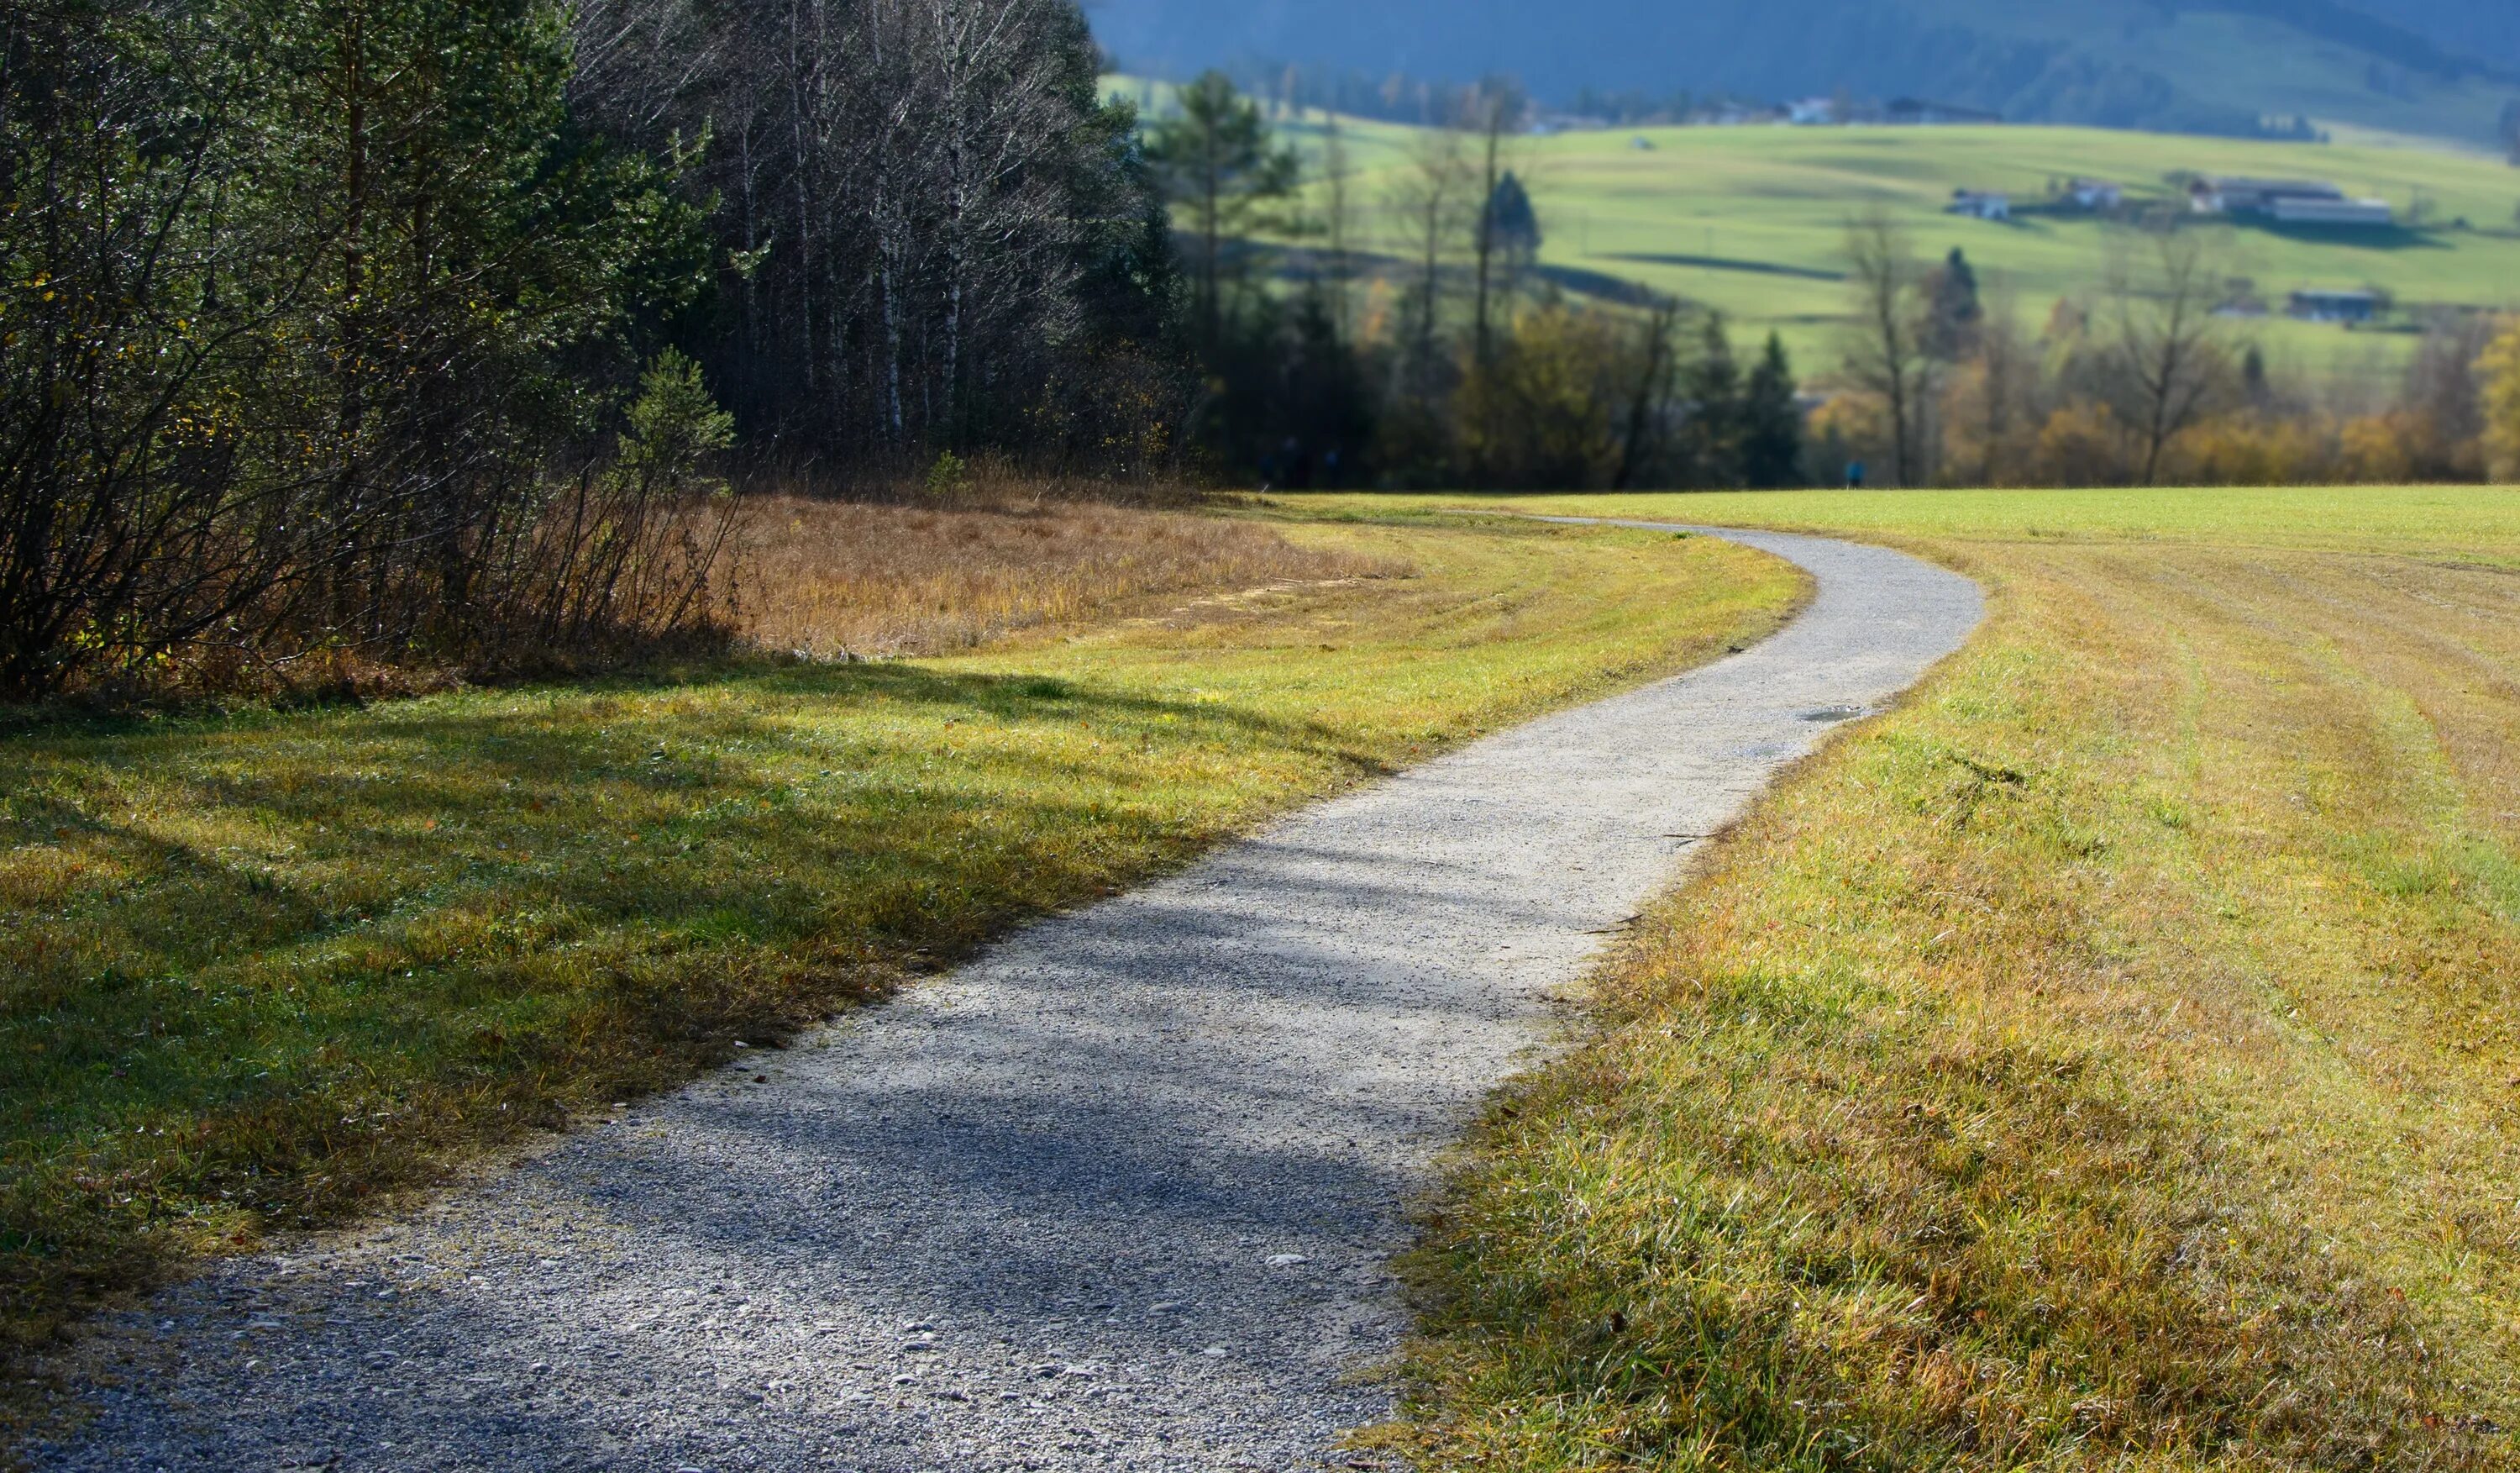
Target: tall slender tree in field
column 1711, row 389
column 1886, row 352
column 1651, row 387
column 1220, row 160
column 2501, row 369
column 1430, row 199
column 2168, row 348
column 1492, row 112
column 1772, row 423
column 1338, row 208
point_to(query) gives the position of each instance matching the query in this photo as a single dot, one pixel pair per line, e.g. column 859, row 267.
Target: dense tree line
column 305, row 307
column 935, row 235
column 1409, row 339
column 357, row 330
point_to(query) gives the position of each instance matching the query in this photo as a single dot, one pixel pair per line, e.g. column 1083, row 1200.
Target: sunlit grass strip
column 2457, row 523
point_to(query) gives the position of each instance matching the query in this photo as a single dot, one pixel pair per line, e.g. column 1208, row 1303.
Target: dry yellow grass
column 2106, row 1061
column 831, row 578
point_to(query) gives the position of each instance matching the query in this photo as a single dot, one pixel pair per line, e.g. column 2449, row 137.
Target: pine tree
column 1772, row 423
column 1218, row 158
column 1954, row 311
column 1710, row 390
column 475, row 255
column 1512, row 224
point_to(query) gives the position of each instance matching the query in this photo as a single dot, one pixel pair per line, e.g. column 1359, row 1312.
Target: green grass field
column 1755, row 199
column 2454, row 524
column 262, row 968
column 2105, row 1060
column 1751, row 220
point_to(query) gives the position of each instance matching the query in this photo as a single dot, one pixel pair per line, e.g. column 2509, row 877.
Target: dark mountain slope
column 2440, row 67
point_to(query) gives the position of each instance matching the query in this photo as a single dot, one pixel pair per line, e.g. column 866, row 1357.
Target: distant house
column 2098, row 196
column 1811, row 112
column 2335, row 306
column 2257, row 196
column 1979, row 205
column 2365, row 214
column 2289, row 202
column 2243, row 301
column 1916, row 112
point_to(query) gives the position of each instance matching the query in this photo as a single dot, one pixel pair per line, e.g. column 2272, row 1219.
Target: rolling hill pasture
column 1751, row 220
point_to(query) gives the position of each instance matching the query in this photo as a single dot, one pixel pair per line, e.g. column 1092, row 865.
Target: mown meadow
column 1752, row 221
column 2105, row 1060
column 266, row 967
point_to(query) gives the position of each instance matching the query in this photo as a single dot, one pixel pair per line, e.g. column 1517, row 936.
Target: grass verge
column 263, row 967
column 2108, row 1060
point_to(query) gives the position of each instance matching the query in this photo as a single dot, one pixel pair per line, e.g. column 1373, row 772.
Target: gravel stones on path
column 1119, row 1195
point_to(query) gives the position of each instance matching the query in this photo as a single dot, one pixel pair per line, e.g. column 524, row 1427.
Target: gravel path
column 1118, row 1195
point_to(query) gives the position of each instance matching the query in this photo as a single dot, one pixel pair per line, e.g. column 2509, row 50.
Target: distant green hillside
column 1751, row 219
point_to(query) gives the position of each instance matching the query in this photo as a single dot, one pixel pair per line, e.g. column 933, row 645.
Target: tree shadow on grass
column 2390, row 238
column 300, row 959
column 1056, row 1157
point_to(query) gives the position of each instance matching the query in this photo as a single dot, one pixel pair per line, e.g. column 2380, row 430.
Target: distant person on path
column 1855, row 475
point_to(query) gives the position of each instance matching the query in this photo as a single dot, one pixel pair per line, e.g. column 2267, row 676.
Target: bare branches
column 1885, row 346
column 2164, row 283
column 1434, row 200
column 920, row 192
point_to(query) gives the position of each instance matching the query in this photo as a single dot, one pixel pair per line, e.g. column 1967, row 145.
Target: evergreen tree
column 1512, row 224
column 1711, row 400
column 475, row 254
column 1219, row 160
column 1772, row 423
column 1953, row 309
column 352, row 281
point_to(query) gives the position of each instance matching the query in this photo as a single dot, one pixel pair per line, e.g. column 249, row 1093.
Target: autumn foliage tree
column 2499, row 368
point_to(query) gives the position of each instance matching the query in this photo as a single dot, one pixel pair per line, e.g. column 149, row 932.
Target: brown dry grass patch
column 831, row 579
